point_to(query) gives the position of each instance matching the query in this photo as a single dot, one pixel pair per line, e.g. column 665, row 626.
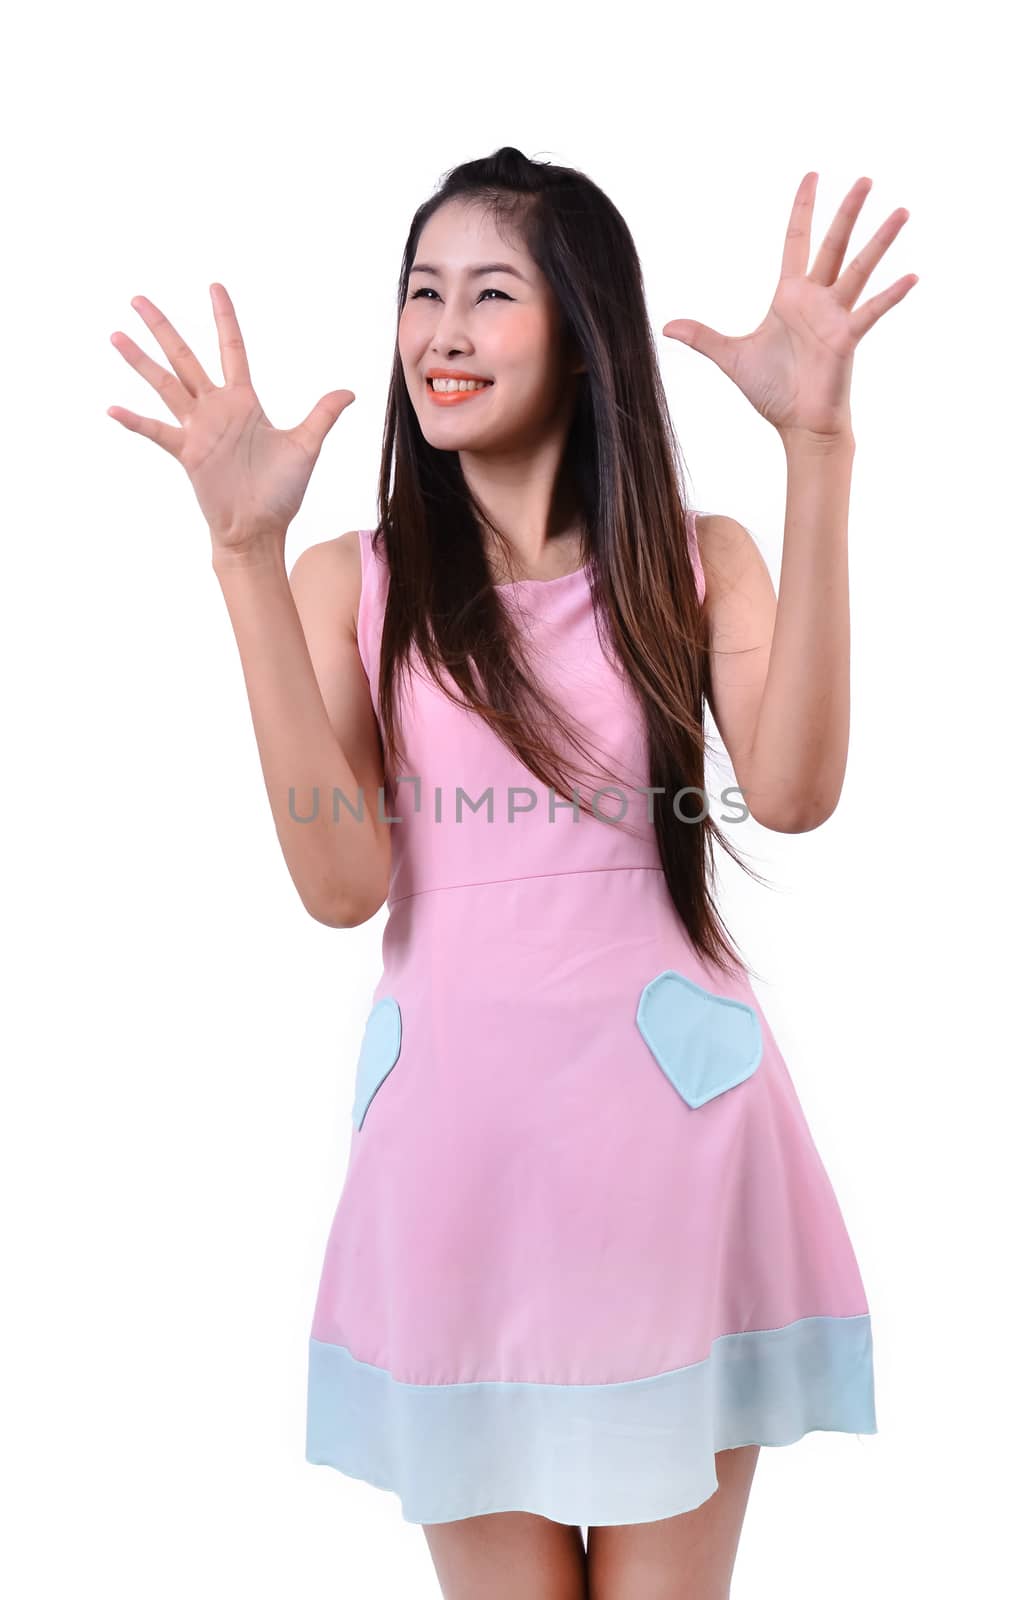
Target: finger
column 868, row 314
column 235, row 366
column 860, row 269
column 175, row 397
column 798, row 234
column 834, row 246
column 312, row 431
column 168, row 438
column 174, row 346
column 716, row 346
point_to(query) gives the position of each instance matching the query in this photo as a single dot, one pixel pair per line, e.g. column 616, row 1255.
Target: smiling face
column 503, row 325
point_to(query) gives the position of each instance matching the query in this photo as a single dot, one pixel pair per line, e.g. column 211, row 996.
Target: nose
column 449, row 341
column 447, row 350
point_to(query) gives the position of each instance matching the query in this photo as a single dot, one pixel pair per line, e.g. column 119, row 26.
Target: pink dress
column 585, row 1239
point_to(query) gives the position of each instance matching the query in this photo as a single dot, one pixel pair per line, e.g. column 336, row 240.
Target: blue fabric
column 704, row 1043
column 380, row 1048
column 587, row 1453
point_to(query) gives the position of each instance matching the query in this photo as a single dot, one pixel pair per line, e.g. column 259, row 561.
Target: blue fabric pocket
column 704, row 1043
column 380, row 1048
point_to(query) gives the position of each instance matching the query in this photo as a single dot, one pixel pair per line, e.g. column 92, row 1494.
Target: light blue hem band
column 587, row 1454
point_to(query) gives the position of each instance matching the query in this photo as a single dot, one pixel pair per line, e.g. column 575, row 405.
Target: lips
column 458, row 396
column 457, row 372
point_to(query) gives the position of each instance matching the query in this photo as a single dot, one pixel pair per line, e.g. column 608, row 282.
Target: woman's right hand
column 249, row 477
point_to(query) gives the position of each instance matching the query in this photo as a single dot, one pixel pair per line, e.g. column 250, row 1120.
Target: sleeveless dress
column 585, row 1239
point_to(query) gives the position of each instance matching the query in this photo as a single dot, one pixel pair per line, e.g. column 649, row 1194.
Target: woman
column 586, row 1260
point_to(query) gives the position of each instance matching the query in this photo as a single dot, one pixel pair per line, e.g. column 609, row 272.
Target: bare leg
column 508, row 1555
column 688, row 1557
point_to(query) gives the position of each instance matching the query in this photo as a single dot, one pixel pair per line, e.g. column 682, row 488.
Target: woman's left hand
column 796, row 367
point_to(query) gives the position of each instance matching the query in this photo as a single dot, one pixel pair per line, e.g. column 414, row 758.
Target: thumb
column 315, row 426
column 709, row 343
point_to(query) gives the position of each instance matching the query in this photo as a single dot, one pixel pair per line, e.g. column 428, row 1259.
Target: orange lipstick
column 457, row 395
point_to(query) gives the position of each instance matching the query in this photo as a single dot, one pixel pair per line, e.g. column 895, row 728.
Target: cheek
column 412, row 329
column 410, row 350
column 405, row 334
column 519, row 336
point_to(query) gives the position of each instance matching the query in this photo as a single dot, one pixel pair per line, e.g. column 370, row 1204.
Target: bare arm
column 313, row 717
column 780, row 670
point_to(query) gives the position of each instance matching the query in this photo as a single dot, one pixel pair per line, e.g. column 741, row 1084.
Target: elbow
column 348, row 905
column 330, row 913
column 364, row 911
column 792, row 803
column 333, row 916
column 343, row 914
column 803, row 816
column 350, row 909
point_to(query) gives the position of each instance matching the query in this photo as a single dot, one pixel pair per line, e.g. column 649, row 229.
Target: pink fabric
column 529, row 1197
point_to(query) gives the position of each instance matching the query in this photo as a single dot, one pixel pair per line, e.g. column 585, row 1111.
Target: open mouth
column 456, row 397
column 429, row 382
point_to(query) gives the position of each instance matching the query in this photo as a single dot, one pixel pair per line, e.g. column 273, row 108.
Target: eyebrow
column 476, row 272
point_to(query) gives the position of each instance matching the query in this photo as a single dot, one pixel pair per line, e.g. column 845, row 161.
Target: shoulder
column 719, row 535
column 728, row 552
column 329, row 575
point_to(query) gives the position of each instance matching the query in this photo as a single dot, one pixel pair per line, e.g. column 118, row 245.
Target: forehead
column 464, row 241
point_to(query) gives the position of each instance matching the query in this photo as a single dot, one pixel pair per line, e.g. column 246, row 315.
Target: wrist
column 806, row 440
column 259, row 553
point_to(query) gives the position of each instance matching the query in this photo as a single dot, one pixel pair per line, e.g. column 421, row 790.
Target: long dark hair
column 623, row 466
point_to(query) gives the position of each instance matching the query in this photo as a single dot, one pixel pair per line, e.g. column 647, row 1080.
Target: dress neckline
column 541, row 583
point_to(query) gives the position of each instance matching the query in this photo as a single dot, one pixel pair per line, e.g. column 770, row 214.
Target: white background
column 182, row 1036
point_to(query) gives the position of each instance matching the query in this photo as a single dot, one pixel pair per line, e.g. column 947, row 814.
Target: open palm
column 248, row 476
column 796, row 367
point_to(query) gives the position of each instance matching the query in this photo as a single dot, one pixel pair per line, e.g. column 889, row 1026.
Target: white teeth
column 450, row 385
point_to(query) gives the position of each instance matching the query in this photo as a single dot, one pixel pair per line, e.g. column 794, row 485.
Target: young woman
column 587, row 1259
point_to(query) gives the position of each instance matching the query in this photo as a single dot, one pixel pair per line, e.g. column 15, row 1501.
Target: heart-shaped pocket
column 704, row 1043
column 380, row 1048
